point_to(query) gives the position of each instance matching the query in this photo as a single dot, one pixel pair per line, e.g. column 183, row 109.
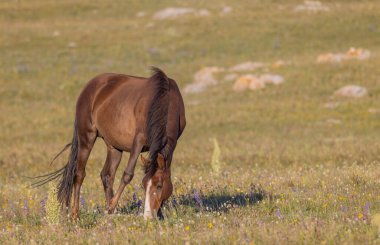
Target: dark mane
column 157, row 118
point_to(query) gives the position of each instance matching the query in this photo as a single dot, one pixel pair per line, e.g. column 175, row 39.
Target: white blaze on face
column 147, row 209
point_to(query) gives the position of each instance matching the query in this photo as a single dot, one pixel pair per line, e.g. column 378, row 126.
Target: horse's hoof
column 75, row 217
column 112, row 206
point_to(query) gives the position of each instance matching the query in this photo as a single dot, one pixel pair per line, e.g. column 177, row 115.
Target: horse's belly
column 115, row 107
column 116, row 127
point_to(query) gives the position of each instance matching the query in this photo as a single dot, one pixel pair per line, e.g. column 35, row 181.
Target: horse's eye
column 159, row 187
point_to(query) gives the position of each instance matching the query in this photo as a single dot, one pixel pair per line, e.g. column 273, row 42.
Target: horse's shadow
column 218, row 202
column 213, row 202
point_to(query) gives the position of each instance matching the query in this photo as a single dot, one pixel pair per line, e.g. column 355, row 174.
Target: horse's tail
column 65, row 186
column 67, row 173
column 157, row 116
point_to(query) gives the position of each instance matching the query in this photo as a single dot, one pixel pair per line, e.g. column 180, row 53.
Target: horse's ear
column 145, row 161
column 161, row 161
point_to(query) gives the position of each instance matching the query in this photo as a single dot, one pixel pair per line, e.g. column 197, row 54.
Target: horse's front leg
column 128, row 172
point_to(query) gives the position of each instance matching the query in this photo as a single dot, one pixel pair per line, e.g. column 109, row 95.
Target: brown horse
column 132, row 114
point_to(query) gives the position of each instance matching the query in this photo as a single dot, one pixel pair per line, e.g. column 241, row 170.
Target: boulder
column 352, row 91
column 358, row 53
column 311, row 6
column 256, row 83
column 226, row 10
column 173, row 13
column 203, row 12
column 248, row 81
column 330, row 58
column 247, row 66
column 202, row 79
column 352, row 53
column 272, row 79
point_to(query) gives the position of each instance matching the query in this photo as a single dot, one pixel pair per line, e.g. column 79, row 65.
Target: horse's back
column 117, row 106
column 110, row 102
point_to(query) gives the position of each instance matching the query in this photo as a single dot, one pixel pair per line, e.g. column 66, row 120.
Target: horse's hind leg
column 109, row 170
column 86, row 142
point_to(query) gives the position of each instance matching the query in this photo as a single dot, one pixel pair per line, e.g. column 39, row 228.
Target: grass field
column 291, row 169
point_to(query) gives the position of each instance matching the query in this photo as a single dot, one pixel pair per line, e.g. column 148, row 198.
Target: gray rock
column 353, row 91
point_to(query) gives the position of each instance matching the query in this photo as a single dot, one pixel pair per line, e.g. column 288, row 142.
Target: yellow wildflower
column 52, row 205
column 215, row 159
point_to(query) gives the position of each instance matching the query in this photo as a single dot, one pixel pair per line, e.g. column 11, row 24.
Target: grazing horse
column 131, row 114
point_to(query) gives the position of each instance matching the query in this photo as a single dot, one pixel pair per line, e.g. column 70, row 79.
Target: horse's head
column 158, row 187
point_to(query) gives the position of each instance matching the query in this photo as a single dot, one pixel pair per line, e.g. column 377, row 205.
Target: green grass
column 286, row 175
